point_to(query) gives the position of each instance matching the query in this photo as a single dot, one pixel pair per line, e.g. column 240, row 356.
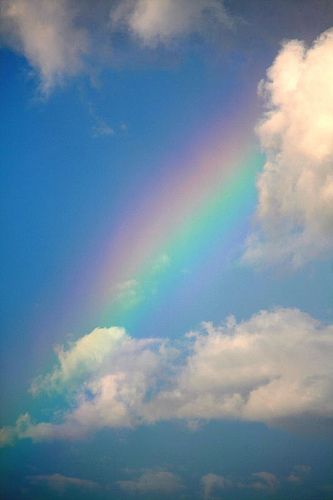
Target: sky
column 166, row 256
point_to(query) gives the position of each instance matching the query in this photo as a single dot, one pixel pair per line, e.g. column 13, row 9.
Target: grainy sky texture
column 166, row 255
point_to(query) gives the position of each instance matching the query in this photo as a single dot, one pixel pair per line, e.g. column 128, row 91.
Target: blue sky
column 167, row 214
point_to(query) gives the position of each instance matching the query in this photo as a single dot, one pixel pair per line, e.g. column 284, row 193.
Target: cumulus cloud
column 275, row 365
column 82, row 357
column 160, row 482
column 46, row 33
column 161, row 21
column 295, row 189
column 62, row 38
column 275, row 368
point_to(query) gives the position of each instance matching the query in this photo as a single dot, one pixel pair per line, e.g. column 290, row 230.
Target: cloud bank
column 63, row 38
column 162, row 483
column 275, row 367
column 295, row 189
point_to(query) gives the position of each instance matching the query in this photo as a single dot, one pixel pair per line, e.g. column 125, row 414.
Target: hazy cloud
column 212, row 483
column 60, row 483
column 295, row 207
column 129, row 293
column 161, row 21
column 153, row 481
column 299, row 474
column 102, row 129
column 264, row 480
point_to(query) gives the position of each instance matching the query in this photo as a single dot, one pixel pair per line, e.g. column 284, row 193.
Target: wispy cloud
column 132, row 292
column 214, row 484
column 102, row 129
column 162, row 262
column 60, row 483
column 129, row 293
column 161, row 482
column 299, row 473
column 264, row 482
column 47, row 34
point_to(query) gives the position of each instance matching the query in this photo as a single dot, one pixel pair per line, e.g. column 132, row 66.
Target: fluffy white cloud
column 153, row 482
column 84, row 355
column 46, row 34
column 275, row 367
column 161, row 21
column 295, row 207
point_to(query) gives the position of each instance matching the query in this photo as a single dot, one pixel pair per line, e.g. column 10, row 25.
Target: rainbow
column 179, row 232
column 200, row 210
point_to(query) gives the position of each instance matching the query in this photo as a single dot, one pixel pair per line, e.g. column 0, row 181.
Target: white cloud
column 153, row 482
column 161, row 21
column 275, row 368
column 46, row 34
column 295, row 207
column 24, row 428
column 63, row 38
column 84, row 355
